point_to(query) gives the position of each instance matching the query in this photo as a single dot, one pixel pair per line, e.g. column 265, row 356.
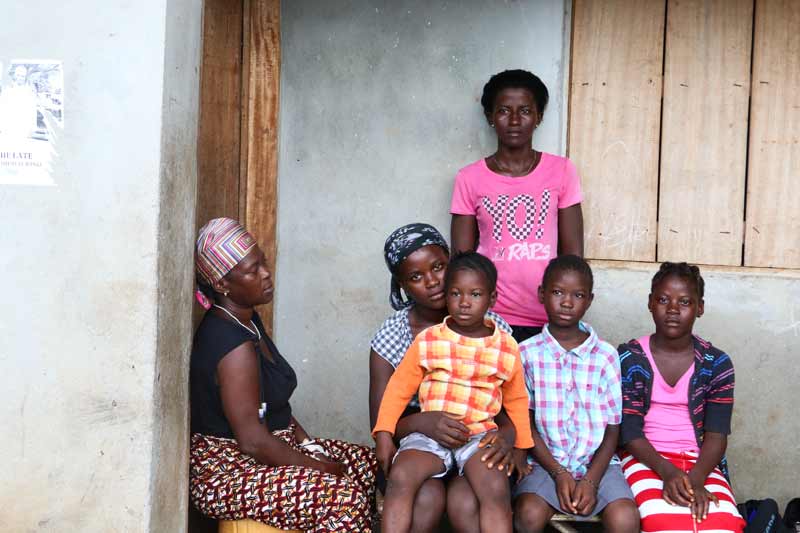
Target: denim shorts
column 455, row 457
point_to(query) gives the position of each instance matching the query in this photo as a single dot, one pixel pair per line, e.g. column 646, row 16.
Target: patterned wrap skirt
column 227, row 484
column 659, row 516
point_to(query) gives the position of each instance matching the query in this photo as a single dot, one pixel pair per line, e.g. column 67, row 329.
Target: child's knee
column 621, row 515
column 411, row 469
column 531, row 513
column 490, row 485
column 461, row 500
column 430, row 498
column 402, row 476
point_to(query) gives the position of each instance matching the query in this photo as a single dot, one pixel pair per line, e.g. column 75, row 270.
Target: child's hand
column 702, row 501
column 498, row 452
column 444, row 429
column 565, row 487
column 385, row 450
column 678, row 488
column 520, row 463
column 584, row 498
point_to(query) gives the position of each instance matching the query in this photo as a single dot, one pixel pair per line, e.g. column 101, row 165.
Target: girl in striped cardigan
column 677, row 395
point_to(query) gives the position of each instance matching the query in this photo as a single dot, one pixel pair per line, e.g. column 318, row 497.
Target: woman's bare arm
column 570, row 231
column 464, row 233
column 239, row 388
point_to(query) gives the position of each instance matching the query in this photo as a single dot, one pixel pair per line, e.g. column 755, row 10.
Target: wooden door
column 238, row 131
column 237, row 146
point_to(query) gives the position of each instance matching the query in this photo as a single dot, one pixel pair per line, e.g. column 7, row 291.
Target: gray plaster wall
column 97, row 273
column 169, row 467
column 379, row 109
column 754, row 315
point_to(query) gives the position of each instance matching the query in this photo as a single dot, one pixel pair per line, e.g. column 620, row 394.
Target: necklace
column 534, row 161
column 255, row 333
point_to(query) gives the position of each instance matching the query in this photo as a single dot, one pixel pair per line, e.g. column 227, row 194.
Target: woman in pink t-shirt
column 519, row 207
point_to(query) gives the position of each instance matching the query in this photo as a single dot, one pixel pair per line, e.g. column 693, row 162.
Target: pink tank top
column 667, row 424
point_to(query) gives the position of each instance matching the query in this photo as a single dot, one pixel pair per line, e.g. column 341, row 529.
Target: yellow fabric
column 250, row 526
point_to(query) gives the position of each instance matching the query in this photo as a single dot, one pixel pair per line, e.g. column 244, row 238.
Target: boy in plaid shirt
column 573, row 379
column 468, row 368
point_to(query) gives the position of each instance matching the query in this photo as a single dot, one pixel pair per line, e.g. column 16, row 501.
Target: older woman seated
column 250, row 458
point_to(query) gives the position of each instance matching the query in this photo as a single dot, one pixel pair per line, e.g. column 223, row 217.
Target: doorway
column 237, row 144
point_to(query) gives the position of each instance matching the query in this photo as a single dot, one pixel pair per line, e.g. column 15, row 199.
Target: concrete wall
column 97, row 273
column 379, row 108
column 169, row 465
column 754, row 315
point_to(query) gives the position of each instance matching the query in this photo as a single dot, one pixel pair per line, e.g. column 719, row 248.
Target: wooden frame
column 614, row 117
column 238, row 131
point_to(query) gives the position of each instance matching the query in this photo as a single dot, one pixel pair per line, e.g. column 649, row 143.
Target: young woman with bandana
column 417, row 257
column 250, row 458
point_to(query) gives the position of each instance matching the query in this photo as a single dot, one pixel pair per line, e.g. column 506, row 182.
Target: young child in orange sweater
column 468, row 368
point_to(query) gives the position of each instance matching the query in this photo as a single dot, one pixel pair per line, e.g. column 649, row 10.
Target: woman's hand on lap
column 520, row 463
column 444, row 429
column 385, row 450
column 336, row 469
column 678, row 488
column 702, row 500
column 497, row 452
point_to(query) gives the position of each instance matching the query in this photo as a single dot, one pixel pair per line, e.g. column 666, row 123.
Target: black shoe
column 791, row 516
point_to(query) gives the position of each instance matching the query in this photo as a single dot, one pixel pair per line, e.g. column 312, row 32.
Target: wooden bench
column 249, row 526
column 561, row 522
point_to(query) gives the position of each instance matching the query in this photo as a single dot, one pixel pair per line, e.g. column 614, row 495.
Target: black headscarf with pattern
column 402, row 243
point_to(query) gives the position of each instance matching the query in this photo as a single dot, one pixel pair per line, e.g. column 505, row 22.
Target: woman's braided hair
column 690, row 273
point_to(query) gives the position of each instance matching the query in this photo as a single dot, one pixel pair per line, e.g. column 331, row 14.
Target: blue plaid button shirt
column 575, row 395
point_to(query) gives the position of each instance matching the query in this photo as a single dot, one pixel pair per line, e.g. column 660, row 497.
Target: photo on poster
column 33, row 98
column 31, row 120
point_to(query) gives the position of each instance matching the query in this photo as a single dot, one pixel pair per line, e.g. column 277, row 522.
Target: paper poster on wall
column 31, row 120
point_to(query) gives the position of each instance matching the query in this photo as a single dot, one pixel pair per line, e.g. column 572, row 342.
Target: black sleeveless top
column 214, row 339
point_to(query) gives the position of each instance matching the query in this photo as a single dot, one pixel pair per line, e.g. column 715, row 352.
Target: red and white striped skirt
column 659, row 516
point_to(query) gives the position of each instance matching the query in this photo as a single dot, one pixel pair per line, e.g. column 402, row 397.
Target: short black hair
column 472, row 261
column 515, row 79
column 568, row 263
column 683, row 270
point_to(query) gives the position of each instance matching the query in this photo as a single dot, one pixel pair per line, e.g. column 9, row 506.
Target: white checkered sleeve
column 393, row 338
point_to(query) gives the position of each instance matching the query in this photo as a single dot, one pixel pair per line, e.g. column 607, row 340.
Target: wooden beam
column 772, row 237
column 218, row 138
column 260, row 114
column 219, row 125
column 615, row 107
column 704, row 131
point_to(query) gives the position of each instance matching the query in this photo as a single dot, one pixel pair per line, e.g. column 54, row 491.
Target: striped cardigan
column 710, row 391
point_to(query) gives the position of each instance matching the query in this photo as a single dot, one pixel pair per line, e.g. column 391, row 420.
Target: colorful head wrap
column 221, row 245
column 402, row 243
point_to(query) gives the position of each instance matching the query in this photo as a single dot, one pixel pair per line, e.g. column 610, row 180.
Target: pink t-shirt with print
column 518, row 227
